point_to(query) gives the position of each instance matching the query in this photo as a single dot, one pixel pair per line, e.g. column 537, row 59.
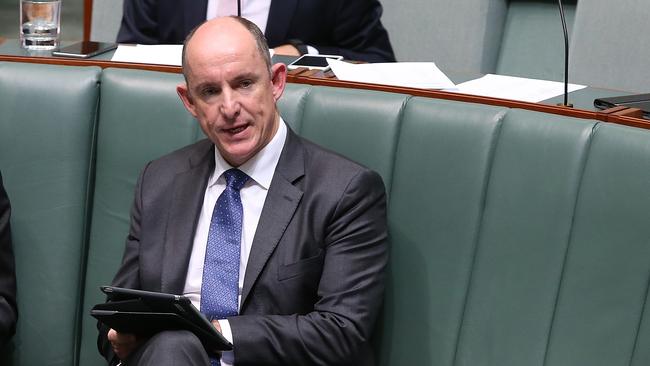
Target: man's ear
column 186, row 97
column 278, row 79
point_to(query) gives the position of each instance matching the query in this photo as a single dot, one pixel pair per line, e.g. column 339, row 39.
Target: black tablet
column 146, row 313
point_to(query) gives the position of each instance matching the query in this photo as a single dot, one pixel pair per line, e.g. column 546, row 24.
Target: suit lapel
column 279, row 21
column 186, row 202
column 280, row 205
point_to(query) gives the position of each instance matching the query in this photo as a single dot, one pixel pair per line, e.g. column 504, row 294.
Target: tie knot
column 235, row 178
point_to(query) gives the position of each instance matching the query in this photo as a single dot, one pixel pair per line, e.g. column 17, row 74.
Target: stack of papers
column 159, row 54
column 162, row 54
column 514, row 88
column 424, row 75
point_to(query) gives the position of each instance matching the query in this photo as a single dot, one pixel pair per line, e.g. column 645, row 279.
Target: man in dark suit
column 8, row 308
column 350, row 28
column 313, row 236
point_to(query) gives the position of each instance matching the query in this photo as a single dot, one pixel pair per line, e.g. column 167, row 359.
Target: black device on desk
column 640, row 101
column 313, row 62
column 146, row 313
column 85, row 49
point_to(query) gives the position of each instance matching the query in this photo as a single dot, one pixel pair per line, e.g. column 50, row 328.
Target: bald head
column 222, row 33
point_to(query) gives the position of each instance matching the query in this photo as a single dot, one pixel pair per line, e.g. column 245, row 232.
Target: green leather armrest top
column 517, row 237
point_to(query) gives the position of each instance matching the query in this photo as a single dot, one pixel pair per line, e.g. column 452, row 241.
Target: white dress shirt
column 257, row 11
column 260, row 168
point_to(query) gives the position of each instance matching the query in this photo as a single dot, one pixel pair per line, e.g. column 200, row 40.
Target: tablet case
column 640, row 101
column 146, row 313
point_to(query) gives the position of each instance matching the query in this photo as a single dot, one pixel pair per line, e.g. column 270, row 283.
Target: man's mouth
column 236, row 130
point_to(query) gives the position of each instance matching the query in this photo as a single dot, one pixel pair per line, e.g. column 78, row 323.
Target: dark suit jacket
column 8, row 309
column 314, row 280
column 351, row 28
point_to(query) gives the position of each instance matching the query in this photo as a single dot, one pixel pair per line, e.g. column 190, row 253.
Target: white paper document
column 160, row 54
column 425, row 75
column 515, row 88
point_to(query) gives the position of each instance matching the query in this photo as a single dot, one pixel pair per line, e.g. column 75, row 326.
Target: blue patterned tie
column 220, row 286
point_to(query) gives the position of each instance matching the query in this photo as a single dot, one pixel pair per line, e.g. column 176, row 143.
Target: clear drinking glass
column 40, row 24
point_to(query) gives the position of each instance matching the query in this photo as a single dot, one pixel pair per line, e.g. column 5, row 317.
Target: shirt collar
column 261, row 167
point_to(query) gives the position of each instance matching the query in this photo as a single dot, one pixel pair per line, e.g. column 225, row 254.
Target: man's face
column 230, row 90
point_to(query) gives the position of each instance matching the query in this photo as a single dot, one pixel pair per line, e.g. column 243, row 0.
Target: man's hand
column 287, row 50
column 216, row 325
column 123, row 343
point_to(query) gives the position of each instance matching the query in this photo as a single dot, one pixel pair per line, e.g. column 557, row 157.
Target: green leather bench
column 47, row 127
column 517, row 237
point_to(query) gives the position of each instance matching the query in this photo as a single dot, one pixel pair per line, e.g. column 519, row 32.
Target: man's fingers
column 216, row 324
column 122, row 343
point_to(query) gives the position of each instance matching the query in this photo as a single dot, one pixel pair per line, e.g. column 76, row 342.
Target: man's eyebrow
column 243, row 76
column 246, row 75
column 204, row 84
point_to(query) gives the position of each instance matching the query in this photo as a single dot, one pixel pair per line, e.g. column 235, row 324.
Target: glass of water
column 40, row 24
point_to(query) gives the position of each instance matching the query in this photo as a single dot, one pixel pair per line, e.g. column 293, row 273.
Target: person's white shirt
column 260, row 168
column 257, row 11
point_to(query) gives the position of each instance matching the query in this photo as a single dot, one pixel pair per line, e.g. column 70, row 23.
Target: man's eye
column 209, row 91
column 245, row 84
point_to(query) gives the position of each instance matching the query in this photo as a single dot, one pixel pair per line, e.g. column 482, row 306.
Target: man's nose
column 230, row 107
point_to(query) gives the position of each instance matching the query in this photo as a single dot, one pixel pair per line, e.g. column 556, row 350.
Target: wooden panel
column 327, row 79
column 83, row 62
column 88, row 16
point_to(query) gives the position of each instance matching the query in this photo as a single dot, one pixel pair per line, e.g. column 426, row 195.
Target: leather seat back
column 47, row 132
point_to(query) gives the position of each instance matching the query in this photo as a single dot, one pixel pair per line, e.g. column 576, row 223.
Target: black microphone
column 566, row 57
column 239, row 8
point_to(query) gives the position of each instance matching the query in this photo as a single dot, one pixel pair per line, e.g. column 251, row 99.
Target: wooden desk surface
column 10, row 51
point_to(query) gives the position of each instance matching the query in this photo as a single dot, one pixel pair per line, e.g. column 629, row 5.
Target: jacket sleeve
column 128, row 274
column 358, row 33
column 8, row 307
column 139, row 22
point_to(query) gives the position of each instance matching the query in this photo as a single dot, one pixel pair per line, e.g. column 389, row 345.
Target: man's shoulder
column 183, row 158
column 320, row 157
column 334, row 170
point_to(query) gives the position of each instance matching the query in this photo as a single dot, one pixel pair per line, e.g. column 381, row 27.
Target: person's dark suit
column 350, row 28
column 314, row 280
column 8, row 308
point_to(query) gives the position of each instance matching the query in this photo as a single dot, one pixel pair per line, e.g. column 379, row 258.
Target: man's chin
column 237, row 155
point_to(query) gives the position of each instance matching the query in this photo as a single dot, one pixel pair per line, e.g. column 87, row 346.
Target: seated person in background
column 8, row 309
column 350, row 28
column 281, row 243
